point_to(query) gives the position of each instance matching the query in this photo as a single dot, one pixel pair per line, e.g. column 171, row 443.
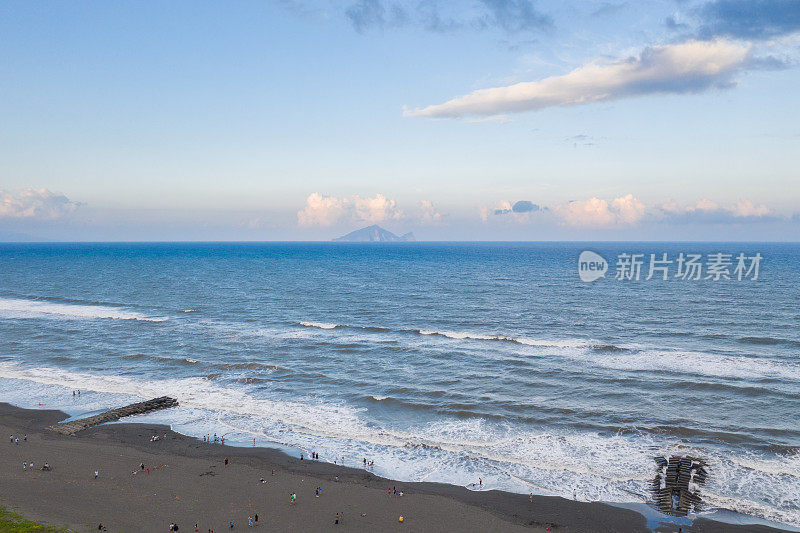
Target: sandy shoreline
column 189, row 483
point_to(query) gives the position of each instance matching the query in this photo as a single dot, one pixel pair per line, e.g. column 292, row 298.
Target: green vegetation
column 11, row 522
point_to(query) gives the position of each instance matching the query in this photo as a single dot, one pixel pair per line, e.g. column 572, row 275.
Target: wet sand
column 189, row 483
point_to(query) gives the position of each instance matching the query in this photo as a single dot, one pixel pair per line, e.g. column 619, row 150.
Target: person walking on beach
column 96, row 473
column 256, row 519
column 336, row 519
column 226, row 461
column 250, row 521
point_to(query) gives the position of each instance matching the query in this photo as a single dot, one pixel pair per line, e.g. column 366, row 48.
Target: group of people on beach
column 216, row 439
column 368, row 465
column 28, row 465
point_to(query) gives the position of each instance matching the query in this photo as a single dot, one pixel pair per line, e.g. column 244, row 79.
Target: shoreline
column 190, row 483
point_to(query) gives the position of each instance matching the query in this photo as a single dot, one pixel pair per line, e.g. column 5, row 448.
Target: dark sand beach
column 188, row 482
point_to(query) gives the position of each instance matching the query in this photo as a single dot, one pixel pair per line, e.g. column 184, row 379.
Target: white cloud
column 501, row 206
column 35, row 204
column 746, row 208
column 320, row 211
column 712, row 211
column 628, row 209
column 704, row 204
column 376, row 209
column 592, row 212
column 323, row 210
column 692, row 66
column 429, row 215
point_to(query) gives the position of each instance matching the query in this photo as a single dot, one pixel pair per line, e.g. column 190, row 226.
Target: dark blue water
column 443, row 362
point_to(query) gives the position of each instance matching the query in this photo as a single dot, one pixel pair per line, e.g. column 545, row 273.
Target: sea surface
column 440, row 362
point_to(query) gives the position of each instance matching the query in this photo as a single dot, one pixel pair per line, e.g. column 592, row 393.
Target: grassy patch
column 11, row 522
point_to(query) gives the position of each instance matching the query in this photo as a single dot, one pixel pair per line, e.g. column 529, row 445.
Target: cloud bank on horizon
column 627, row 211
column 504, row 219
column 621, row 212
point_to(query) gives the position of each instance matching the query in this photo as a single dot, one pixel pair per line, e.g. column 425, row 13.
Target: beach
column 186, row 481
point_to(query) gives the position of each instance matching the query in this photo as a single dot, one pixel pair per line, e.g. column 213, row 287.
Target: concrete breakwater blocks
column 74, row 426
column 676, row 486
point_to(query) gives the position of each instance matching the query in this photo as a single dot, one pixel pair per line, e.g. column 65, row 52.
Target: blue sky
column 304, row 120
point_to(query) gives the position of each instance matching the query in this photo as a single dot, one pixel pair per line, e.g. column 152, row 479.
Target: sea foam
column 19, row 308
column 456, row 451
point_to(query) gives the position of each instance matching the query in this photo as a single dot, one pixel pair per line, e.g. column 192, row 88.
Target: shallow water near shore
column 447, row 362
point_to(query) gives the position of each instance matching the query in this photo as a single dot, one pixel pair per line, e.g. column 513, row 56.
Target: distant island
column 374, row 233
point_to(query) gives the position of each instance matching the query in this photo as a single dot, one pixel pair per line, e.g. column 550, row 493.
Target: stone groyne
column 73, row 426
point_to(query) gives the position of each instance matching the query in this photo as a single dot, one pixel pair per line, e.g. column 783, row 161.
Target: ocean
column 441, row 362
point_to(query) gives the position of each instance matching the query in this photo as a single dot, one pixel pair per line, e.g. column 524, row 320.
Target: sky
column 457, row 120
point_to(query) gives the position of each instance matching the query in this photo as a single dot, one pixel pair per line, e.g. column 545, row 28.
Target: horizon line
column 333, row 241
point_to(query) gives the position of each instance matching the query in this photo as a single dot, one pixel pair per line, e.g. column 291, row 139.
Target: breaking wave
column 455, row 335
column 320, row 325
column 519, row 340
column 18, row 308
column 453, row 451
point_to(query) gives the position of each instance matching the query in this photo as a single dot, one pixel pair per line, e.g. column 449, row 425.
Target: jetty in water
column 676, row 486
column 73, row 426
